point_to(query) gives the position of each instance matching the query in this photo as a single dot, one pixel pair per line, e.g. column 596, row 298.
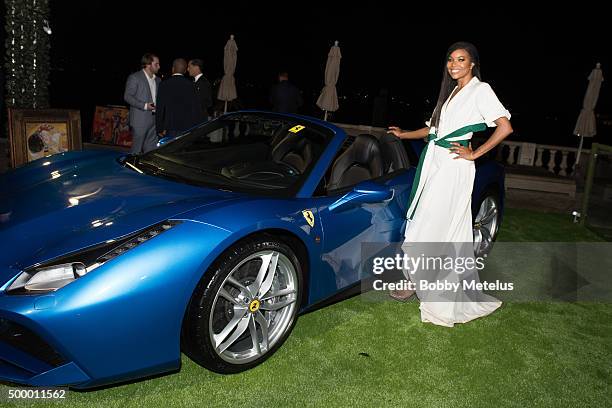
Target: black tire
column 197, row 333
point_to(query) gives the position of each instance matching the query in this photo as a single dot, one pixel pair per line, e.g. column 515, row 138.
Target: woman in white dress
column 440, row 206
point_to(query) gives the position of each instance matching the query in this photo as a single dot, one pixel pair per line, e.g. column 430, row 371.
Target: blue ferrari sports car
column 212, row 245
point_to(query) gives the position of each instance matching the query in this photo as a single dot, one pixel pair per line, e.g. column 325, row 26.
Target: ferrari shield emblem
column 308, row 217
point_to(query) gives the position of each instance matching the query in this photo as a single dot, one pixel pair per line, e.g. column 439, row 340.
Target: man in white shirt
column 140, row 93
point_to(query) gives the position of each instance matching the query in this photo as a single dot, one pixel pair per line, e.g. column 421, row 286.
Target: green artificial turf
column 533, row 226
column 364, row 353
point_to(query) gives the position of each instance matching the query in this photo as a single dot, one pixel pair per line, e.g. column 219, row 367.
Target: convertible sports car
column 212, row 244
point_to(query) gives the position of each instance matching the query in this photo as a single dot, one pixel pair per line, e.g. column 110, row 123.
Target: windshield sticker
column 296, row 128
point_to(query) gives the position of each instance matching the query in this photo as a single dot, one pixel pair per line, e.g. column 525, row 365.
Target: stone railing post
column 511, row 157
column 551, row 160
column 563, row 166
column 540, row 152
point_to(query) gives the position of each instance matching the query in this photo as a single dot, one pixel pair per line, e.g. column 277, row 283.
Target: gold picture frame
column 37, row 133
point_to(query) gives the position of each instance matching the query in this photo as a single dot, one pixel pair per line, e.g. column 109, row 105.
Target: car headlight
column 58, row 273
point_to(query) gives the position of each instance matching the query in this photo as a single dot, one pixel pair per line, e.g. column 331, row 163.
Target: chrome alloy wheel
column 254, row 307
column 485, row 226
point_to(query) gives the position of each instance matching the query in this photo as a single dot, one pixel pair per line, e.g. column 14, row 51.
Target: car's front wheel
column 245, row 306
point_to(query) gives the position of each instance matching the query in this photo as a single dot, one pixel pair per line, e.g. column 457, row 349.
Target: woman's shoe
column 402, row 295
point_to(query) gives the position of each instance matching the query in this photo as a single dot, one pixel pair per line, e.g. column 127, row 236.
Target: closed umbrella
column 585, row 125
column 227, row 88
column 328, row 100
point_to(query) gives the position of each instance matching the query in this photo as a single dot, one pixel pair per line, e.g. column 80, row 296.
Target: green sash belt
column 442, row 142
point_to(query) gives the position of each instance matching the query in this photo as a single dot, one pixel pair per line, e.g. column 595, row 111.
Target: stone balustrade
column 559, row 160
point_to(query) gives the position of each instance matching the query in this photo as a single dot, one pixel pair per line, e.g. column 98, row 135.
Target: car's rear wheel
column 245, row 306
column 486, row 224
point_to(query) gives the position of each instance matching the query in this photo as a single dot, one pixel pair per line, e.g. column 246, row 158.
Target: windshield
column 250, row 152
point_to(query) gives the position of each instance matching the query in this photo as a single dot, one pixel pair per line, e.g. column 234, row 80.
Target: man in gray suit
column 140, row 93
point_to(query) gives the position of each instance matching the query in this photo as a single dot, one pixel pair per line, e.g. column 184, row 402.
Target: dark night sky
column 537, row 62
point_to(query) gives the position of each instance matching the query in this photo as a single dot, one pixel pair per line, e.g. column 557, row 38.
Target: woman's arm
column 406, row 134
column 504, row 128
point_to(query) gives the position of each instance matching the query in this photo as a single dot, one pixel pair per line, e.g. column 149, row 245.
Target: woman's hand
column 395, row 131
column 463, row 152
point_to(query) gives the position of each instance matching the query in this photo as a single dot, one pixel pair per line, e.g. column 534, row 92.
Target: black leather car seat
column 393, row 153
column 294, row 150
column 362, row 160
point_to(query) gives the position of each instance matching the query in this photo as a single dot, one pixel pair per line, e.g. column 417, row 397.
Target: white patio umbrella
column 227, row 88
column 328, row 100
column 585, row 125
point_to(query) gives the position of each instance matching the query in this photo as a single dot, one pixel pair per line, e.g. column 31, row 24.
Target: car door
column 347, row 225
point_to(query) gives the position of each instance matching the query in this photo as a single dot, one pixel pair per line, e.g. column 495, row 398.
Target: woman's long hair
column 448, row 83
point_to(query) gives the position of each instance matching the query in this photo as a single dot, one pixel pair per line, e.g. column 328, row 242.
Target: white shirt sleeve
column 489, row 106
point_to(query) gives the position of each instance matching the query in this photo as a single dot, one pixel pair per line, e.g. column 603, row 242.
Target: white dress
column 443, row 213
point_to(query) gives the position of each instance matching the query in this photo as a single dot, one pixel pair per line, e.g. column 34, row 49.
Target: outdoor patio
column 378, row 353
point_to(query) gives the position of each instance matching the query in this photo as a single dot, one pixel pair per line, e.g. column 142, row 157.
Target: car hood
column 74, row 200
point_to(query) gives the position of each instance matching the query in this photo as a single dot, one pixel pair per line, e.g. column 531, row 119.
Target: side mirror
column 366, row 192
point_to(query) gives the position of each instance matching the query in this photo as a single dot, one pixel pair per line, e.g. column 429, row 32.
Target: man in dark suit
column 284, row 96
column 178, row 107
column 140, row 92
column 202, row 86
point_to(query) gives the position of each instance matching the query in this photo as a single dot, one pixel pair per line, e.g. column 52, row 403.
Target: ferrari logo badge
column 308, row 217
column 254, row 305
column 296, row 128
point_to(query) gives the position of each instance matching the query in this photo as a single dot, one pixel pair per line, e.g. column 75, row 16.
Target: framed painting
column 38, row 133
column 111, row 126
